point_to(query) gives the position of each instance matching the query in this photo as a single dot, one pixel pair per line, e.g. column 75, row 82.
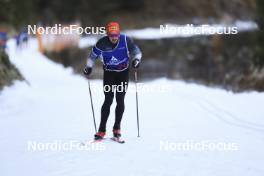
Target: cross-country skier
column 3, row 39
column 115, row 50
column 22, row 39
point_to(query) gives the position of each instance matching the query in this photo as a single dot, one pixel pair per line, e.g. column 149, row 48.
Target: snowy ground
column 55, row 107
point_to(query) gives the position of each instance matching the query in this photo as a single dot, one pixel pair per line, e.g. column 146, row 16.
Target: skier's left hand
column 135, row 63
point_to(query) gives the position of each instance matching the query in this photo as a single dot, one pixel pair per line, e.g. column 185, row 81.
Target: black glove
column 135, row 63
column 87, row 71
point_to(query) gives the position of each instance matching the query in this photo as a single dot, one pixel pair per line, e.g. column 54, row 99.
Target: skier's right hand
column 135, row 63
column 87, row 71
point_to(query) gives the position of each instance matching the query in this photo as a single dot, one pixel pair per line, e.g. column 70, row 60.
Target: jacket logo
column 115, row 61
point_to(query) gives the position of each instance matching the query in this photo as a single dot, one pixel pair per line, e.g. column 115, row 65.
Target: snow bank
column 156, row 33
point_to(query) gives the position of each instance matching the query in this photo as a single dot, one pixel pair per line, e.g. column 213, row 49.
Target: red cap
column 112, row 28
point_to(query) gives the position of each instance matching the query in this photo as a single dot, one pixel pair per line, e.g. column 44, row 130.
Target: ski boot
column 99, row 135
column 116, row 133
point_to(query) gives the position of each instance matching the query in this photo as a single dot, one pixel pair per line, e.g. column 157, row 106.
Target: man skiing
column 114, row 50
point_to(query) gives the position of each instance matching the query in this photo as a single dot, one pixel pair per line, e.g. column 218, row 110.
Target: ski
column 98, row 140
column 114, row 139
column 91, row 141
column 118, row 140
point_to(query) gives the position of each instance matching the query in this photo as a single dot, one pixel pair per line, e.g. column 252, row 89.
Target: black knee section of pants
column 120, row 108
column 105, row 110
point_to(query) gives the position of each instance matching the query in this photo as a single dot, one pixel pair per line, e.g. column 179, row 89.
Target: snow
column 55, row 107
column 189, row 30
column 246, row 25
column 87, row 41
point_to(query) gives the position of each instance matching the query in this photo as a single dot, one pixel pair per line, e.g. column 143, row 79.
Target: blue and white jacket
column 115, row 57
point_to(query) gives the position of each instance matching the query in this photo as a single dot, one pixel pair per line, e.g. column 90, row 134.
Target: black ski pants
column 115, row 83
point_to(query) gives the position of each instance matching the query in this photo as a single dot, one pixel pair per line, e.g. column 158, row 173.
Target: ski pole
column 91, row 98
column 136, row 80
